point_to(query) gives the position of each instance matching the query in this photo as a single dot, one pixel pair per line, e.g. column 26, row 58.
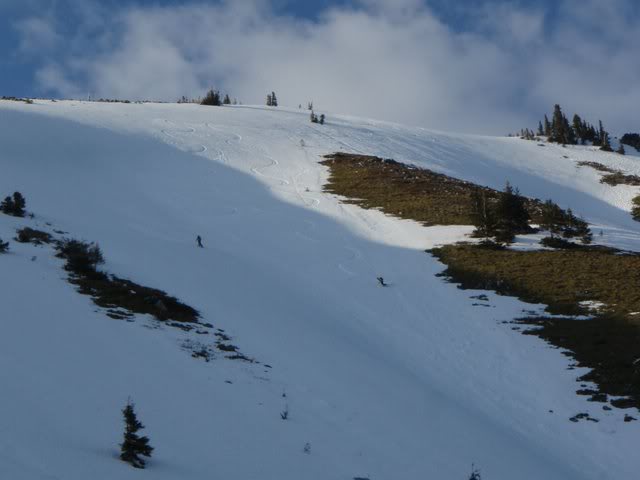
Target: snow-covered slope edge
column 408, row 382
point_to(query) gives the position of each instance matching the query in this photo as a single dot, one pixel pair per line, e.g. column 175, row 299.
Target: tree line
column 577, row 132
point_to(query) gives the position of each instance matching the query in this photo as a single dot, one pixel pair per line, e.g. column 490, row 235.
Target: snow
column 411, row 381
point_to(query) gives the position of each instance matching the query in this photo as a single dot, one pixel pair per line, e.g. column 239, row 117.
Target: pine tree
column 212, row 98
column 540, row 129
column 621, row 150
column 274, row 99
column 269, row 100
column 310, row 106
column 314, row 117
column 133, row 445
column 14, row 206
column 605, row 143
column 19, row 204
column 227, row 100
column 511, row 215
column 547, row 126
column 483, row 216
column 557, row 124
column 578, row 127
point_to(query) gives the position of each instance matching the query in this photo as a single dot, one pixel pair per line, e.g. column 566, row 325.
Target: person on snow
column 199, row 241
column 381, row 281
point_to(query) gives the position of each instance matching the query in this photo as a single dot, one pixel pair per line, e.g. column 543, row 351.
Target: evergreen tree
column 212, row 97
column 578, row 127
column 621, row 150
column 274, row 99
column 227, row 100
column 557, row 125
column 134, row 445
column 547, row 126
column 511, row 215
column 314, row 117
column 322, row 119
column 605, row 143
column 310, row 106
column 483, row 216
column 14, row 206
column 540, row 129
column 269, row 100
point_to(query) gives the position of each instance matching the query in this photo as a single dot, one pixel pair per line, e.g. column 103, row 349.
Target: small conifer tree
column 621, row 150
column 133, row 445
column 274, row 99
column 227, row 100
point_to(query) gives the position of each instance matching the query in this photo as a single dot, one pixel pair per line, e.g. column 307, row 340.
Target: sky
column 476, row 66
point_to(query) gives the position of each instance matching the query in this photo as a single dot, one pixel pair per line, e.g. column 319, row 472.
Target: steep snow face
column 411, row 381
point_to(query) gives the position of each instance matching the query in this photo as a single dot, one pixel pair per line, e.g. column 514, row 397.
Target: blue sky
column 486, row 66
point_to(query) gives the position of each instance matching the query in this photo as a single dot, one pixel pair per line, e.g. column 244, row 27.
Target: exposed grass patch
column 560, row 279
column 117, row 294
column 568, row 281
column 613, row 177
column 31, row 235
column 17, row 99
column 609, row 346
column 408, row 192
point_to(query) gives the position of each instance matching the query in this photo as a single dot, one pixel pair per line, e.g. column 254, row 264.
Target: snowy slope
column 407, row 382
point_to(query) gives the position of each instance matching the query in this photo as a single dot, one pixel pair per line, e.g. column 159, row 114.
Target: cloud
column 37, row 35
column 389, row 59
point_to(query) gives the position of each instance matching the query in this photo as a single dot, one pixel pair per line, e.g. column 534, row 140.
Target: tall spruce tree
column 227, row 100
column 540, row 129
column 547, row 126
column 511, row 215
column 605, row 143
column 133, row 445
column 274, row 99
column 483, row 216
column 269, row 100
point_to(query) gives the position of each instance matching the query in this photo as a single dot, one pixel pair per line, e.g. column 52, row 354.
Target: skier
column 199, row 241
column 381, row 281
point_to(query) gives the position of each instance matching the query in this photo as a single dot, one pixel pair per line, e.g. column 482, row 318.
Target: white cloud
column 389, row 59
column 37, row 35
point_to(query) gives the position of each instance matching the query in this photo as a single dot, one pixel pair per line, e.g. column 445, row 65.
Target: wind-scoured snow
column 410, row 381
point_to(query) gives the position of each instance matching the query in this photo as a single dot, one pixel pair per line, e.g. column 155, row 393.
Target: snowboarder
column 199, row 241
column 381, row 281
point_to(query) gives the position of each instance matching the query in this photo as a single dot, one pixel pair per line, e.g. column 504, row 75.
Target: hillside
column 413, row 381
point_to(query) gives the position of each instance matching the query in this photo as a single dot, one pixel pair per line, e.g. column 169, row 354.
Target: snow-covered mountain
column 406, row 382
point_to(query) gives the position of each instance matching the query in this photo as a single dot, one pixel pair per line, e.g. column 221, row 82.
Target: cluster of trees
column 212, row 97
column 559, row 130
column 561, row 223
column 272, row 100
column 631, row 139
column 316, row 119
column 14, row 205
column 500, row 221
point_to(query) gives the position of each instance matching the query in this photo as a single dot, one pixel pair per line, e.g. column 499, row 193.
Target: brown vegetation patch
column 406, row 191
column 613, row 177
column 608, row 342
